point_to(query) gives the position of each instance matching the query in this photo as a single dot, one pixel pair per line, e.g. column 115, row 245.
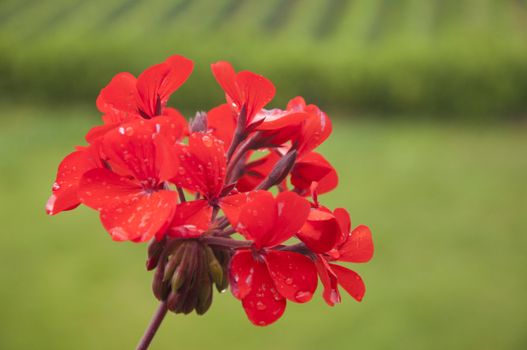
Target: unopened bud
column 215, row 268
column 173, row 301
column 173, row 262
column 189, row 304
column 155, row 248
column 280, row 171
column 204, row 300
column 178, row 278
column 159, row 287
column 224, row 257
column 199, row 122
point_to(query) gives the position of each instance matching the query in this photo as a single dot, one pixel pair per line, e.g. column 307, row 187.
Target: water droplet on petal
column 303, row 296
column 121, row 130
column 280, row 208
column 334, row 297
column 55, row 187
column 289, row 281
column 129, row 131
column 207, row 141
column 260, row 306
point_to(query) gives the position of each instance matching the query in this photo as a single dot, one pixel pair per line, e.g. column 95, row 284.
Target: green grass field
column 446, row 204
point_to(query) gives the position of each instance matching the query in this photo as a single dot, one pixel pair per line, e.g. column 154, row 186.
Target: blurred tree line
column 464, row 58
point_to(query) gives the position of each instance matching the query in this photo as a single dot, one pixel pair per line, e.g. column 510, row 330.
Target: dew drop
column 207, row 141
column 280, row 208
column 303, row 296
column 334, row 297
column 55, row 187
column 260, row 306
column 121, row 130
column 129, row 131
column 289, row 281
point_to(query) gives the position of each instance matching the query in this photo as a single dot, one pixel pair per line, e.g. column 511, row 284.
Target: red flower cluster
column 144, row 163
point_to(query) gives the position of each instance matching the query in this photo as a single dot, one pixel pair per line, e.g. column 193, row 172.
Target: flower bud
column 155, row 248
column 178, row 278
column 185, row 272
column 215, row 268
column 173, row 300
column 280, row 171
column 159, row 288
column 174, row 261
column 198, row 123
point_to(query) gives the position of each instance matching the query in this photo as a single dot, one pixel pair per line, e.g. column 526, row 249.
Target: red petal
column 296, row 104
column 97, row 132
column 257, row 91
column 202, row 165
column 141, row 218
column 320, row 232
column 139, row 150
column 277, row 119
column 195, row 213
column 232, row 205
column 344, row 220
column 244, row 89
column 221, row 121
column 101, row 188
column 257, row 219
column 292, row 212
column 279, row 127
column 350, row 281
column 358, row 248
column 294, row 275
column 241, row 271
column 329, row 281
column 263, row 304
column 157, row 83
column 70, row 170
column 118, row 95
column 316, row 130
column 172, row 125
column 226, row 77
column 313, row 167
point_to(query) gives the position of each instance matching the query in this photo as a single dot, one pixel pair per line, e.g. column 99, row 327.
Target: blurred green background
column 428, row 100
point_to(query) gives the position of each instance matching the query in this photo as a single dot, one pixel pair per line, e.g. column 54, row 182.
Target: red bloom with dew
column 201, row 192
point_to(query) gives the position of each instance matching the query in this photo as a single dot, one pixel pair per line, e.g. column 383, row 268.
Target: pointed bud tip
column 199, row 122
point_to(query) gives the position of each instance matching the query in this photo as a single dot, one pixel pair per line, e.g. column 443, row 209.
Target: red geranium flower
column 244, row 90
column 352, row 246
column 145, row 160
column 262, row 277
column 148, row 94
column 131, row 195
column 127, row 98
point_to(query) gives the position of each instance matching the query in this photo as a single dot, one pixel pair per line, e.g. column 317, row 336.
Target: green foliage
column 462, row 57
